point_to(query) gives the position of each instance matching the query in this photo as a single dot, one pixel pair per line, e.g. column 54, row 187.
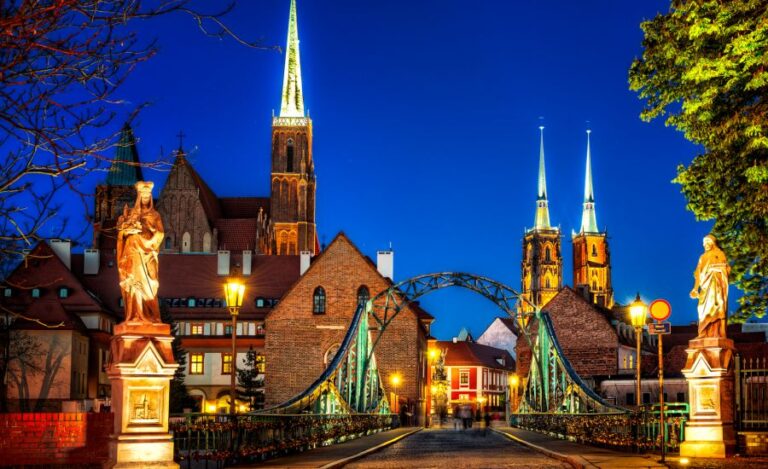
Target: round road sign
column 660, row 309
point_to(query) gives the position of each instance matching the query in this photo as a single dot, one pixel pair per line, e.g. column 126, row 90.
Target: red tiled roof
column 243, row 207
column 473, row 354
column 195, row 276
column 53, row 316
column 237, row 234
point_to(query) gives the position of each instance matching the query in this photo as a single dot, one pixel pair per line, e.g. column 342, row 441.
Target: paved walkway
column 472, row 448
column 337, row 455
column 579, row 456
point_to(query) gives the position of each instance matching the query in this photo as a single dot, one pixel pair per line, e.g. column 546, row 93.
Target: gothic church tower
column 542, row 261
column 591, row 256
column 293, row 172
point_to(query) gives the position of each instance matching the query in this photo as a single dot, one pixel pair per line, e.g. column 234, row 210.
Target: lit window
column 260, row 363
column 259, row 302
column 191, row 303
column 196, row 363
column 226, row 363
column 318, row 301
column 464, row 378
column 227, row 329
column 7, row 292
column 63, row 292
column 35, row 293
column 197, row 329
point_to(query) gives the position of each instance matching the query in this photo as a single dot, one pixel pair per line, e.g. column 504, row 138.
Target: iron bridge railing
column 222, row 439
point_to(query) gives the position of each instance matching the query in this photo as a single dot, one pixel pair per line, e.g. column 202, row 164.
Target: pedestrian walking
column 487, row 418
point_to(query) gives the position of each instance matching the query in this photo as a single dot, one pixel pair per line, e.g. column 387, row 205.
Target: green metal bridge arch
column 351, row 382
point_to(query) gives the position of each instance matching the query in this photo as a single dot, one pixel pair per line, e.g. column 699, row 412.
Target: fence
column 221, row 438
column 635, row 431
column 751, row 389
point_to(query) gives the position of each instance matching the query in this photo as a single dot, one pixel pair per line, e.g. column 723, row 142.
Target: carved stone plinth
column 709, row 371
column 140, row 370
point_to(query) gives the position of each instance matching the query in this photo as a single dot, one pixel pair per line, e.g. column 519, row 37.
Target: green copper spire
column 125, row 169
column 292, row 104
column 542, row 207
column 588, row 216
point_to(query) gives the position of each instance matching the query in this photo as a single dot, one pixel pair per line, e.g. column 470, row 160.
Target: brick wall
column 586, row 336
column 298, row 340
column 54, row 438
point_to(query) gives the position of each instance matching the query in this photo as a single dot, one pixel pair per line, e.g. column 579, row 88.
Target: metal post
column 233, row 366
column 662, row 427
column 638, row 332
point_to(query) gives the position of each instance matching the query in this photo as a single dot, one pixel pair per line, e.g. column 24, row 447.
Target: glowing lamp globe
column 637, row 312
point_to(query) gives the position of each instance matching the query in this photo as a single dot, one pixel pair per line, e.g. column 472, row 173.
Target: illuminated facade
column 591, row 255
column 542, row 264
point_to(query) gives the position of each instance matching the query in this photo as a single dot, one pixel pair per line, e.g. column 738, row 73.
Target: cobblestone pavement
column 433, row 448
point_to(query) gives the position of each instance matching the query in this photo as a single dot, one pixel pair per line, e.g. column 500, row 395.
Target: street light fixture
column 637, row 312
column 395, row 380
column 234, row 290
column 514, row 382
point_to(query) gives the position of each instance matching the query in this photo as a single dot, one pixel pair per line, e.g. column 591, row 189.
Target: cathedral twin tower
column 542, row 264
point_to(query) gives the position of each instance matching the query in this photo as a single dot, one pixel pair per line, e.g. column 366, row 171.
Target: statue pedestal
column 141, row 369
column 709, row 371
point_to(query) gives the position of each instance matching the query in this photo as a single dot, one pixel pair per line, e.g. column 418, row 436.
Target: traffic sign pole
column 660, row 311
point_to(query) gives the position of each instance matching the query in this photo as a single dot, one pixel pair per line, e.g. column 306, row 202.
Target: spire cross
column 181, row 136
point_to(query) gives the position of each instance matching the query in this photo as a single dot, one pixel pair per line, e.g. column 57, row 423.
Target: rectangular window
column 227, row 329
column 260, row 362
column 464, row 378
column 7, row 292
column 196, row 363
column 226, row 363
column 630, row 398
column 197, row 328
column 681, row 397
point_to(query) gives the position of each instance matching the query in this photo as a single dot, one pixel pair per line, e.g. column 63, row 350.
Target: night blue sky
column 425, row 132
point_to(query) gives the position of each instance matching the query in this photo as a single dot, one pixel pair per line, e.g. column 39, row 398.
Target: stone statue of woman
column 140, row 232
column 711, row 289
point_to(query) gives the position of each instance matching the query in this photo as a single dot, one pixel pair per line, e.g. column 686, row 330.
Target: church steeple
column 126, row 168
column 588, row 216
column 542, row 205
column 292, row 103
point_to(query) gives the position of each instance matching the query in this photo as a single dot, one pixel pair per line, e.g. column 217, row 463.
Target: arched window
column 289, row 156
column 186, row 242
column 318, row 301
column 594, row 251
column 363, row 295
column 548, row 283
column 207, row 242
column 548, row 254
column 168, row 242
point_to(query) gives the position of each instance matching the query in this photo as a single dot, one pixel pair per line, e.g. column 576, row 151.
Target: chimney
column 91, row 262
column 385, row 264
column 304, row 257
column 223, row 264
column 63, row 249
column 247, row 259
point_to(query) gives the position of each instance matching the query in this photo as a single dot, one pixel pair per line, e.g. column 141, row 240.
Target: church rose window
column 318, row 301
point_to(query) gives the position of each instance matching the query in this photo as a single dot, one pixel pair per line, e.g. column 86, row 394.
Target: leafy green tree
column 250, row 384
column 179, row 396
column 705, row 67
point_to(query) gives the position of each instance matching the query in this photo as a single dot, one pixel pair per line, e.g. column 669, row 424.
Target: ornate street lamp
column 234, row 290
column 637, row 312
column 514, row 382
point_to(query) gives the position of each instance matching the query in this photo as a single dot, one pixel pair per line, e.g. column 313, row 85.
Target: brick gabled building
column 305, row 331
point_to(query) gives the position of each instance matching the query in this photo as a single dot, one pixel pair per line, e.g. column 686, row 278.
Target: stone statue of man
column 711, row 289
column 140, row 232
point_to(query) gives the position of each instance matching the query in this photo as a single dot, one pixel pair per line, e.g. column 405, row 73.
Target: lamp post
column 637, row 313
column 234, row 291
column 514, row 382
column 395, row 380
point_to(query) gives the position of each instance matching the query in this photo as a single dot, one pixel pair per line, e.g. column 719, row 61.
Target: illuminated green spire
column 126, row 168
column 588, row 216
column 292, row 104
column 542, row 207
